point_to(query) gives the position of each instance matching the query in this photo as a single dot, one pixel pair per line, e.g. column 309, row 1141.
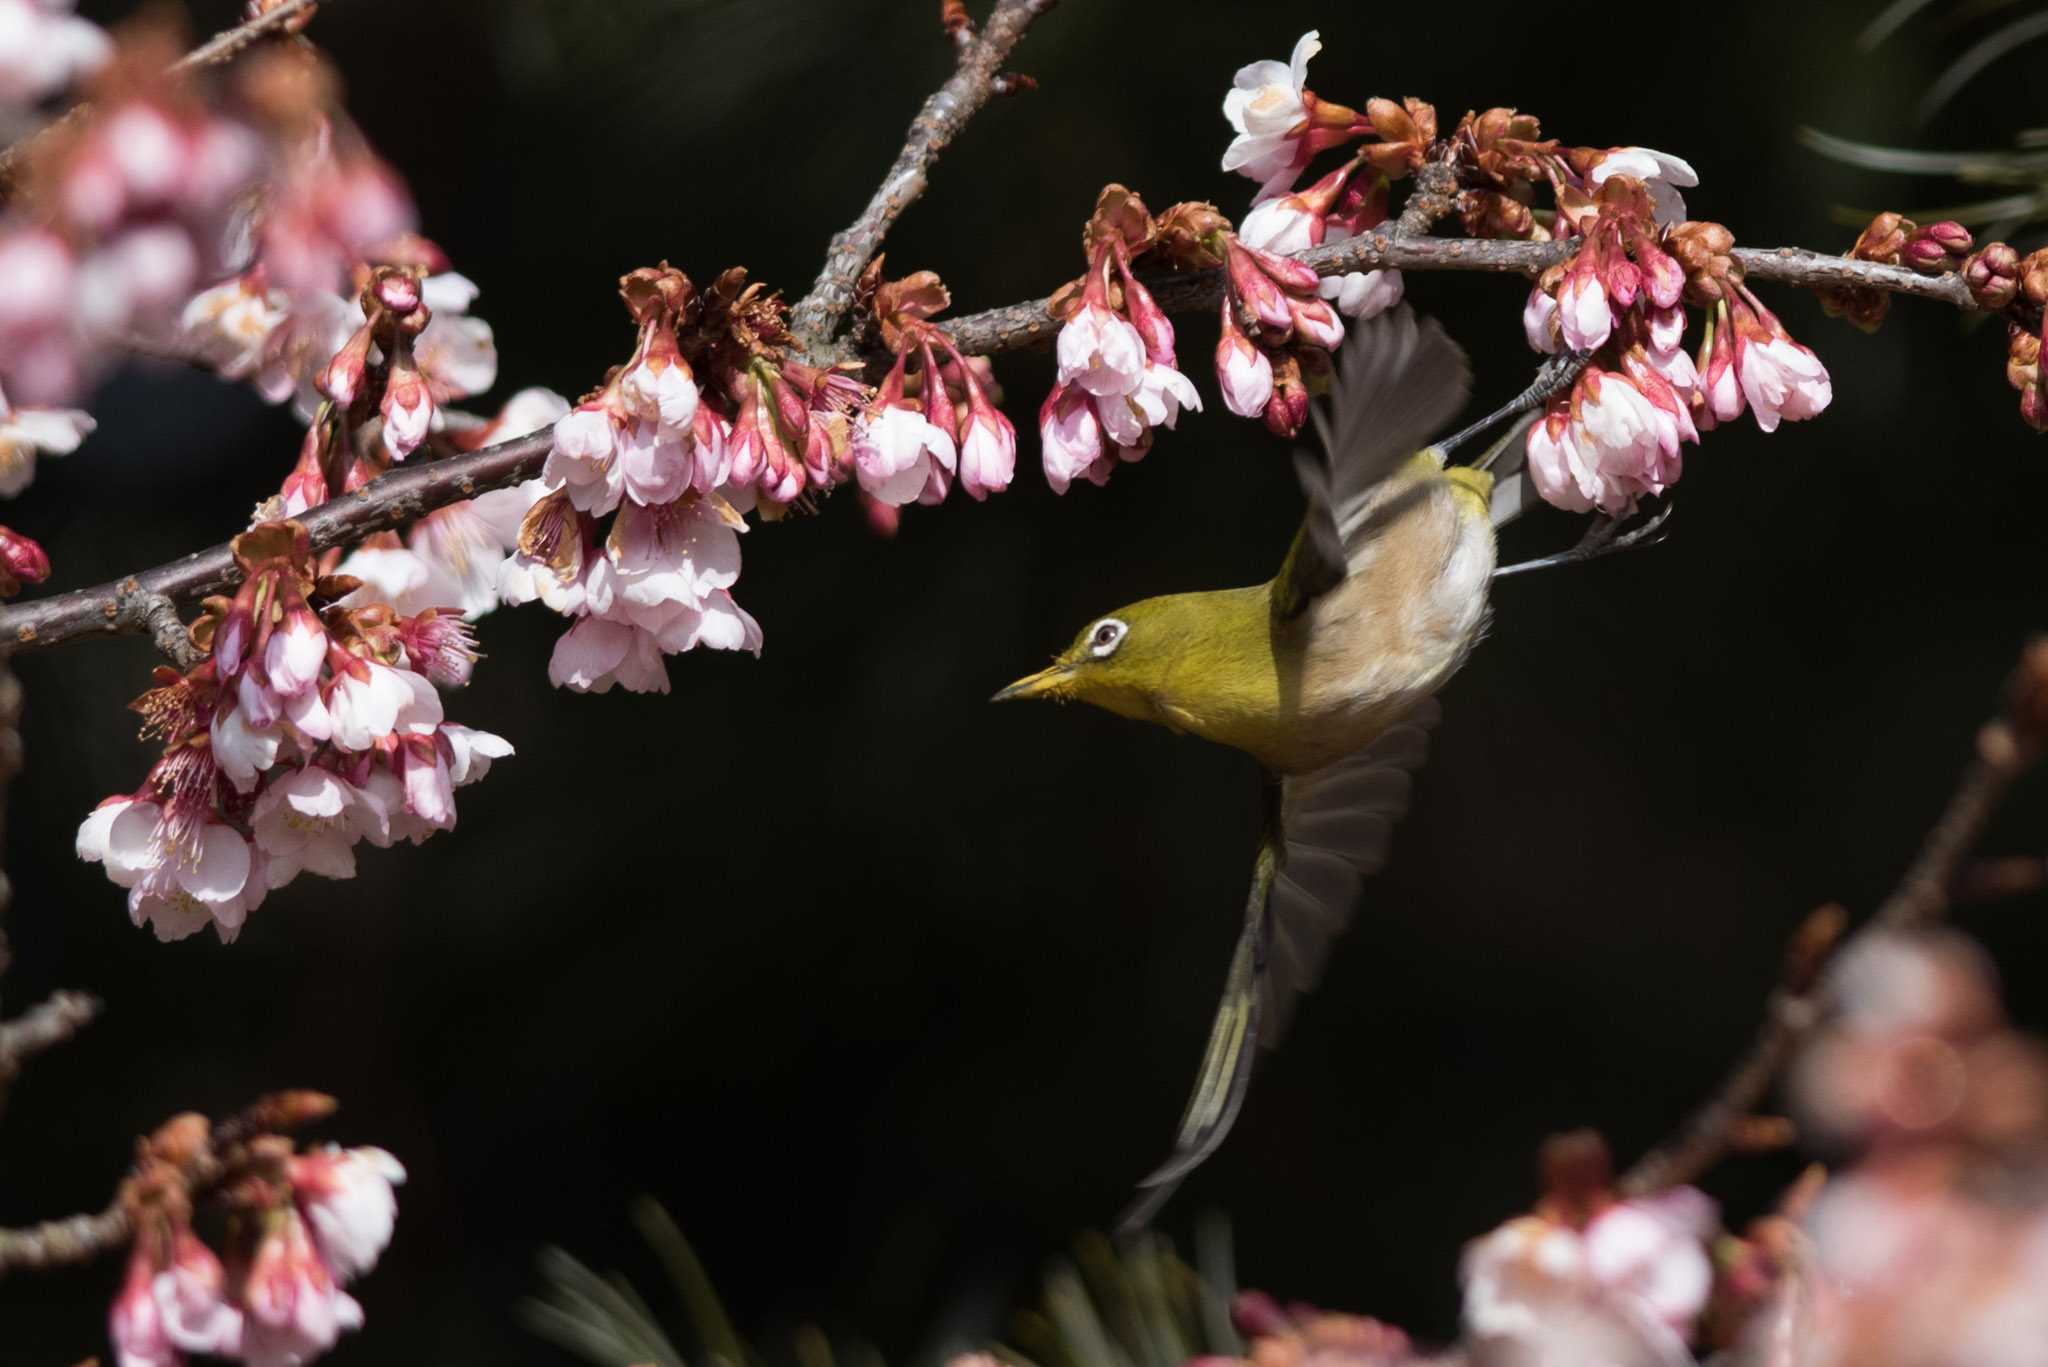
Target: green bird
column 1324, row 674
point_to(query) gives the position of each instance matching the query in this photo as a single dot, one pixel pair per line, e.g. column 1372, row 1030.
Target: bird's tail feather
column 1226, row 1062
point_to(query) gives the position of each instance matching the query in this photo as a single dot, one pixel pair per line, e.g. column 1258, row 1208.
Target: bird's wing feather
column 1337, row 825
column 1326, row 831
column 1397, row 383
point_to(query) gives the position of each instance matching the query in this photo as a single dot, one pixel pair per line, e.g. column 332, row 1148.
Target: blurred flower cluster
column 297, row 1228
column 308, row 726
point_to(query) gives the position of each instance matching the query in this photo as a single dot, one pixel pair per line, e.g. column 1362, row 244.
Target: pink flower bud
column 1993, row 276
column 341, row 379
column 22, row 561
column 1242, row 371
column 1146, row 315
column 1070, row 436
column 1257, row 291
column 408, row 409
column 988, row 453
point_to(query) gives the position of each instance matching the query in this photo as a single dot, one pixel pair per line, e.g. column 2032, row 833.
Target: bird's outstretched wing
column 1399, row 381
column 1326, row 832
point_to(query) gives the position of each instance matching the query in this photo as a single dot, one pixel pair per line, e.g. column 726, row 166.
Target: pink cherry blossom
column 584, row 459
column 1781, row 379
column 1070, row 436
column 407, row 407
column 1156, row 401
column 894, row 451
column 1100, row 352
column 988, row 450
column 44, row 48
column 229, row 326
column 1540, row 321
column 346, row 1196
column 27, row 432
column 1661, row 173
column 136, row 1321
column 365, row 700
column 654, row 461
column 1626, row 1290
column 1363, row 294
column 191, row 1296
column 1243, row 371
column 294, row 1310
column 1583, row 314
column 244, row 752
column 1267, row 112
column 471, row 752
column 595, row 654
column 308, row 820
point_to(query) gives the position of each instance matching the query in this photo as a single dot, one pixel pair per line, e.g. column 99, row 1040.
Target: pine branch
column 819, row 313
column 125, row 607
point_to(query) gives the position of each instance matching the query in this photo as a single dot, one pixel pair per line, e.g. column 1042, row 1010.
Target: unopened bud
column 1924, row 255
column 397, row 290
column 1993, row 275
column 22, row 561
column 1884, row 239
column 2034, row 277
column 341, row 379
column 2034, row 407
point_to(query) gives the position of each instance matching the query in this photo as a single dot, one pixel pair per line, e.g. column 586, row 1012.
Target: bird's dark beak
column 1047, row 682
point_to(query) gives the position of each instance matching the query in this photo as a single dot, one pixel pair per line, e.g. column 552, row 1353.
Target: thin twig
column 230, row 42
column 820, row 312
column 51, row 1022
column 120, row 608
column 60, row 1243
column 2006, row 748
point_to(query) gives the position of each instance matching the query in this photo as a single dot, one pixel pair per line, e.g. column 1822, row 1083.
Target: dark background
column 886, row 993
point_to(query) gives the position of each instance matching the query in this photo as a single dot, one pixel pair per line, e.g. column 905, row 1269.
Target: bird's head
column 1119, row 661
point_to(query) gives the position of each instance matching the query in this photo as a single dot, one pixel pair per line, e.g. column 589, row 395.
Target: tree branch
column 819, row 313
column 2006, row 748
column 125, row 607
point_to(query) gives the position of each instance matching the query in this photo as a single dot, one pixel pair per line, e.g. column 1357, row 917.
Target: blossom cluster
column 1621, row 300
column 924, row 428
column 308, row 726
column 299, row 1228
column 651, row 451
column 1118, row 375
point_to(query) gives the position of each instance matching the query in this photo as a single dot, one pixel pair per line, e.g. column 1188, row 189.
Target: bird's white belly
column 1395, row 630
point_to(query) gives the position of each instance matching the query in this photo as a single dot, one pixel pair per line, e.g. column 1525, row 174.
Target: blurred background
column 887, row 993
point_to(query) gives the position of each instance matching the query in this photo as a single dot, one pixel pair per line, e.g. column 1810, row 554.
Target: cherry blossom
column 44, row 47
column 1269, row 110
column 1243, row 372
column 294, row 1308
column 1663, row 174
column 192, row 1298
column 1624, row 1289
column 346, row 1196
column 27, row 432
column 1781, row 380
column 136, row 1321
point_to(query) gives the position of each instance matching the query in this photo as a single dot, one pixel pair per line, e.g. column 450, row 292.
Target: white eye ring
column 1105, row 636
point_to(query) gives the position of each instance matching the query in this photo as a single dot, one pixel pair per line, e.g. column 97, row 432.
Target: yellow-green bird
column 1324, row 674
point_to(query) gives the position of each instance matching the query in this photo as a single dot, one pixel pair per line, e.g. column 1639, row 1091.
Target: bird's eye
column 1106, row 637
